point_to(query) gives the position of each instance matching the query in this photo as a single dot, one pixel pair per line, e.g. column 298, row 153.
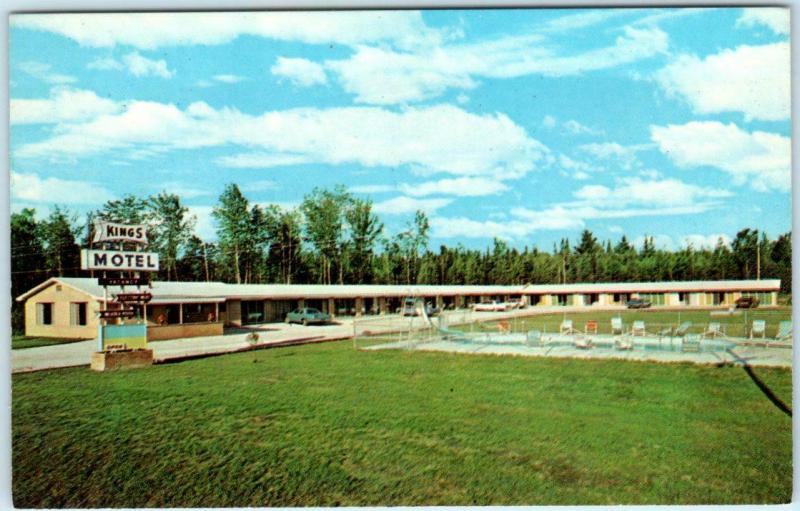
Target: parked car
column 638, row 303
column 307, row 316
column 490, row 307
column 747, row 302
column 409, row 308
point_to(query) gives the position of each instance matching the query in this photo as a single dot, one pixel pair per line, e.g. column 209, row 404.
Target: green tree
column 364, row 229
column 58, row 233
column 171, row 228
column 233, row 227
column 324, row 225
column 27, row 261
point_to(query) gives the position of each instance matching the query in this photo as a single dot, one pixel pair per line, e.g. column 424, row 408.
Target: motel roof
column 176, row 292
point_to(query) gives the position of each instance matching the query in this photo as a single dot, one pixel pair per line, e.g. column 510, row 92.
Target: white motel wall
column 66, row 307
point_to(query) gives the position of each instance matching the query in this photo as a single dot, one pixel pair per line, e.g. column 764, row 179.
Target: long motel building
column 67, row 307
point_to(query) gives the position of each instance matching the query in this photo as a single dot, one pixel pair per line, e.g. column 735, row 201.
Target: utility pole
column 205, row 260
column 758, row 260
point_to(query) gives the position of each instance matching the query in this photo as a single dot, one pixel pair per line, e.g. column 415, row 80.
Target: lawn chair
column 616, row 326
column 566, row 327
column 713, row 330
column 691, row 343
column 665, row 332
column 784, row 332
column 638, row 328
column 583, row 343
column 625, row 343
column 758, row 329
column 683, row 328
column 590, row 326
column 534, row 338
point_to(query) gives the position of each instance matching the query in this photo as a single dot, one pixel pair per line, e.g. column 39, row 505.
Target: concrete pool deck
column 753, row 355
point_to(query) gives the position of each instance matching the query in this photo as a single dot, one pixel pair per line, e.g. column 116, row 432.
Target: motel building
column 67, row 307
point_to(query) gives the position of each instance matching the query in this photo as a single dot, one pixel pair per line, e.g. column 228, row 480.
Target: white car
column 490, row 307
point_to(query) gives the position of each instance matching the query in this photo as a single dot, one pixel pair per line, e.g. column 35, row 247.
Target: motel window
column 77, row 313
column 44, row 313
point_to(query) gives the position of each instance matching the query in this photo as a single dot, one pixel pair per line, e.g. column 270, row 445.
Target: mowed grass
column 326, row 425
column 737, row 325
column 19, row 342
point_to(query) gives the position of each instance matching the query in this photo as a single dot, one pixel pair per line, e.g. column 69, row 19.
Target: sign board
column 123, row 336
column 109, row 232
column 116, row 260
column 122, row 281
column 117, row 313
column 133, row 297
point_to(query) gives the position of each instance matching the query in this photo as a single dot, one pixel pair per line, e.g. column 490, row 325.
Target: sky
column 524, row 125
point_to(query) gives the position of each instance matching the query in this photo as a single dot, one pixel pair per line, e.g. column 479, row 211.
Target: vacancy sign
column 115, row 260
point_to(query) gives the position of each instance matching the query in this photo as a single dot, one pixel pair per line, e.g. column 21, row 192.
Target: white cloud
column 403, row 205
column 754, row 80
column 633, row 190
column 43, row 72
column 31, row 187
column 385, row 76
column 105, row 64
column 260, row 160
column 549, row 121
column 137, row 65
column 759, row 158
column 577, row 128
column 181, row 189
column 228, row 78
column 630, row 198
column 302, row 72
column 142, row 66
column 148, row 31
column 373, row 188
column 776, row 18
column 473, row 145
column 624, row 155
column 462, row 187
column 259, row 186
column 63, row 105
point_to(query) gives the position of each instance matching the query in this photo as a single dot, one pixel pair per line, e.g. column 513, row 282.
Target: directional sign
column 133, row 297
column 122, row 281
column 109, row 231
column 114, row 260
column 117, row 313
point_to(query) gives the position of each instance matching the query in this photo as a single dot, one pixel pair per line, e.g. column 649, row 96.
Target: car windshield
column 312, row 311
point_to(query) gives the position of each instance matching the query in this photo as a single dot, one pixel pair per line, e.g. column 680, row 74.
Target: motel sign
column 109, row 231
column 117, row 260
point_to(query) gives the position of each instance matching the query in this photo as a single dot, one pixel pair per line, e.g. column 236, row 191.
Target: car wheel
column 305, row 322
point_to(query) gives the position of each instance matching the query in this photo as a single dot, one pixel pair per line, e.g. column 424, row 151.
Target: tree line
column 333, row 237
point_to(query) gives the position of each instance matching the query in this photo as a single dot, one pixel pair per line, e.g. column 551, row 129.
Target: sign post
column 121, row 344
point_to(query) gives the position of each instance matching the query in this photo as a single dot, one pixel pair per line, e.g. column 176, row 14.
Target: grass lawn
column 19, row 342
column 325, row 425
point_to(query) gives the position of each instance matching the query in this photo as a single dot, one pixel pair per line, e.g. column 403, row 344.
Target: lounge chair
column 590, row 326
column 713, row 330
column 566, row 327
column 784, row 334
column 691, row 342
column 616, row 326
column 583, row 343
column 534, row 338
column 683, row 328
column 638, row 328
column 758, row 329
column 624, row 343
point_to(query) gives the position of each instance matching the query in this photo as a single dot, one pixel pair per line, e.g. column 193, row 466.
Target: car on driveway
column 747, row 302
column 308, row 316
column 638, row 303
column 494, row 306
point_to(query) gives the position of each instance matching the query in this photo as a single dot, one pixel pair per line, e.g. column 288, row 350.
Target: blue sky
column 526, row 125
